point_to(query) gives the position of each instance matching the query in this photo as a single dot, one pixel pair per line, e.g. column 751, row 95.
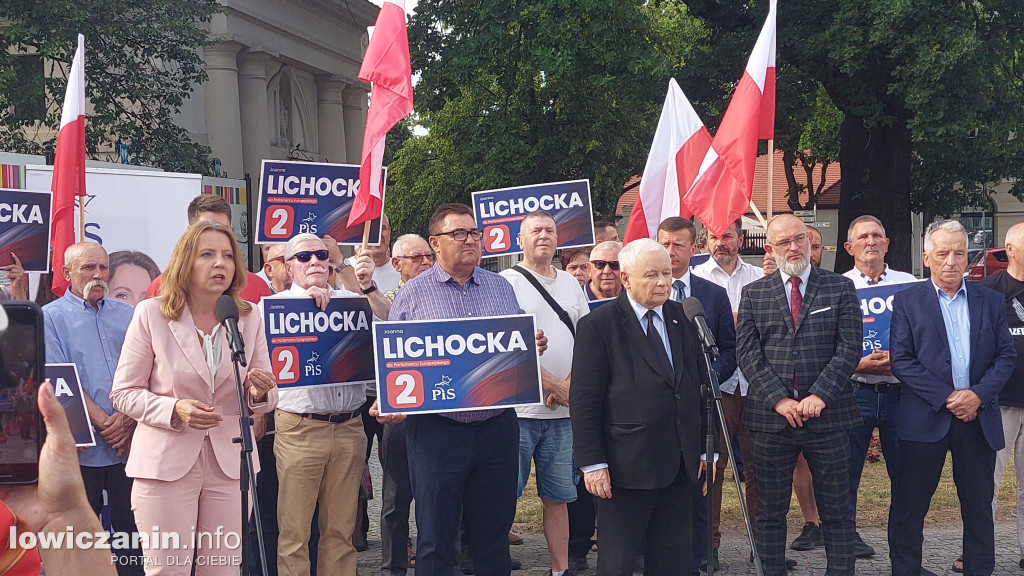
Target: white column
column 331, row 120
column 355, row 121
column 222, row 119
column 252, row 105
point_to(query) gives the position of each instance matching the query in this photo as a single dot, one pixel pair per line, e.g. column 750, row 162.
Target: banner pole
column 81, row 219
column 771, row 176
column 366, row 234
column 757, row 213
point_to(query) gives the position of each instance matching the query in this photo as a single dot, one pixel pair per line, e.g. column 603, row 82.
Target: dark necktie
column 795, row 302
column 656, row 343
column 680, row 288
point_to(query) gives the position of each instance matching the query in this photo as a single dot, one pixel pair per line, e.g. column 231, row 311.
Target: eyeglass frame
column 476, row 233
column 797, row 240
column 428, row 256
column 600, row 264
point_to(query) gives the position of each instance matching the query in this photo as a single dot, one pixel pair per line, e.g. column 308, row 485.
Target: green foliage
column 142, row 61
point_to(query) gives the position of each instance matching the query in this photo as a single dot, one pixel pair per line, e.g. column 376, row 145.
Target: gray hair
column 293, row 245
column 631, row 252
column 951, row 226
column 607, row 245
column 398, row 248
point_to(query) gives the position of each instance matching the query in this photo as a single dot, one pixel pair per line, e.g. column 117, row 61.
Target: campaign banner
column 455, row 365
column 876, row 308
column 313, row 347
column 313, row 197
column 594, row 304
column 499, row 214
column 25, row 228
column 68, row 389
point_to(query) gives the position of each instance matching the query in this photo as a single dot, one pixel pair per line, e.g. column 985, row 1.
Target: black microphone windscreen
column 692, row 308
column 226, row 308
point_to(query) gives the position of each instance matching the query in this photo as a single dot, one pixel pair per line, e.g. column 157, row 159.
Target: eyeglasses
column 795, row 241
column 461, row 235
column 427, row 257
column 600, row 264
column 307, row 255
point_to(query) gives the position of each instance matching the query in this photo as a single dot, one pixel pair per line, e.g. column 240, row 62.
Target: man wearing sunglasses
column 320, row 444
column 604, row 271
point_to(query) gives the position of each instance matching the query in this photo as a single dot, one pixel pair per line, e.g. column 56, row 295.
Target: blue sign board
column 25, row 228
column 499, row 214
column 68, row 390
column 876, row 308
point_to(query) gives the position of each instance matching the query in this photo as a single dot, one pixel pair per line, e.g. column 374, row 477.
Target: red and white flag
column 386, row 66
column 722, row 190
column 68, row 180
column 680, row 144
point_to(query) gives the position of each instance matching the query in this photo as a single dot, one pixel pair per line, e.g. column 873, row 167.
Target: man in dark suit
column 799, row 340
column 636, row 417
column 950, row 346
column 677, row 235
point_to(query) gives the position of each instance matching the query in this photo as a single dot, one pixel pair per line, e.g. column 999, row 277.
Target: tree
column 516, row 92
column 142, row 62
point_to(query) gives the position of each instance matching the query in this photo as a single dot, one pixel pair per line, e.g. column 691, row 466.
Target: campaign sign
column 876, row 308
column 312, row 347
column 25, row 228
column 455, row 365
column 594, row 304
column 68, row 390
column 500, row 212
column 314, row 197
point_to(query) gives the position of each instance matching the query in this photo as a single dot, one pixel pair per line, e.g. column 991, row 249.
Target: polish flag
column 680, row 144
column 721, row 192
column 68, row 180
column 386, row 65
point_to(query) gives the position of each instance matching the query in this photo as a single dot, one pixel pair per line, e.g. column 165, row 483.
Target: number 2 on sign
column 497, row 238
column 405, row 389
column 279, row 222
column 282, row 360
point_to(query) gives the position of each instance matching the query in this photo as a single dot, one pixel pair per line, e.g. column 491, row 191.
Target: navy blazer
column 718, row 314
column 919, row 356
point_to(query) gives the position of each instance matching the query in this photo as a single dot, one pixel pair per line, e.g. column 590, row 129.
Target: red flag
column 386, row 65
column 68, row 167
column 721, row 192
column 680, row 143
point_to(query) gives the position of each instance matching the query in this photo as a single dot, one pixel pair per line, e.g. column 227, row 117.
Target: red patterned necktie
column 795, row 302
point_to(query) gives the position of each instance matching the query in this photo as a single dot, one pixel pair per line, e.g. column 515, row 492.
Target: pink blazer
column 161, row 362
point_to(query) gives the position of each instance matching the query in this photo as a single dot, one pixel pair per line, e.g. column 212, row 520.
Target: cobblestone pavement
column 942, row 544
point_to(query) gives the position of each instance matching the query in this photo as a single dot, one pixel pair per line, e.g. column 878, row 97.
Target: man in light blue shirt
column 87, row 329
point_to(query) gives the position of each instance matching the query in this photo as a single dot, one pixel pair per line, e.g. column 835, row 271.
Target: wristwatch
column 371, row 289
column 340, row 267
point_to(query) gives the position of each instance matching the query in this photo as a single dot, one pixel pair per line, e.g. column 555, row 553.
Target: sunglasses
column 308, row 255
column 600, row 264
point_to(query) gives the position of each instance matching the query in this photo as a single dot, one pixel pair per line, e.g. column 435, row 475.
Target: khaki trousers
column 317, row 461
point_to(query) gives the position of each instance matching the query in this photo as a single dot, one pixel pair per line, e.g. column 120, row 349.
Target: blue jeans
column 879, row 410
column 548, row 444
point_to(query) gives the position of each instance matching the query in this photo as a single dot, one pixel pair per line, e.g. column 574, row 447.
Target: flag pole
column 771, row 176
column 366, row 234
column 757, row 213
column 81, row 219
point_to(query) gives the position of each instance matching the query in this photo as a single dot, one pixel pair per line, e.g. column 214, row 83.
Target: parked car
column 986, row 262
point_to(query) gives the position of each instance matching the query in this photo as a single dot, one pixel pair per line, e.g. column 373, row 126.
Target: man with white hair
column 636, row 419
column 86, row 328
column 951, row 348
column 798, row 340
column 604, row 271
column 320, row 444
column 410, row 256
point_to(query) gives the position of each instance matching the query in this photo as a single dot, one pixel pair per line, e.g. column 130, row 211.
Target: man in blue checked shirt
column 86, row 328
column 461, row 461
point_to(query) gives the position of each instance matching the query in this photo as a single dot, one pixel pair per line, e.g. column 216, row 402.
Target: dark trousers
column 700, row 524
column 122, row 519
column 660, row 519
column 396, row 500
column 878, row 411
column 973, row 469
column 828, row 457
column 582, row 520
column 463, row 467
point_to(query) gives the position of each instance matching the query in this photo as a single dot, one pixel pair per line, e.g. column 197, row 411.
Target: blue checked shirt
column 434, row 295
column 90, row 339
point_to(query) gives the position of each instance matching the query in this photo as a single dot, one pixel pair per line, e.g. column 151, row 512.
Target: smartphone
column 22, row 368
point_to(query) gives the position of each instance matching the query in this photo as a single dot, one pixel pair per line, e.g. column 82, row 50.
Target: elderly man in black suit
column 636, row 417
column 799, row 336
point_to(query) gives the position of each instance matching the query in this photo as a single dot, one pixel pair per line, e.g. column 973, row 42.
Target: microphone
column 694, row 311
column 227, row 315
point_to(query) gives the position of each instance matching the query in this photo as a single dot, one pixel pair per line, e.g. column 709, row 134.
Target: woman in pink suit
column 175, row 377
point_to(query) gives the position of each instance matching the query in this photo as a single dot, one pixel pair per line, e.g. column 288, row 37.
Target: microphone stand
column 246, row 476
column 712, row 395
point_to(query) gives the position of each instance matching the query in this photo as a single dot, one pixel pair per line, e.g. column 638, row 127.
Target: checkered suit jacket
column 823, row 350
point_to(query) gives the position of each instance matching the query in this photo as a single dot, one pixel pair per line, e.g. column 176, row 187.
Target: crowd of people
column 617, row 447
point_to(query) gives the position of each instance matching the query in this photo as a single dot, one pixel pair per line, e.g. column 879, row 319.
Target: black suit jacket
column 822, row 350
column 627, row 410
column 718, row 314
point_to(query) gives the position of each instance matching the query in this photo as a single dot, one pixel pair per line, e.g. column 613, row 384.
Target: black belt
column 879, row 387
column 332, row 418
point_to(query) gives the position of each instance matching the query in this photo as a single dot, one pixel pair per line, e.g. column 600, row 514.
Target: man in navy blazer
column 677, row 235
column 951, row 348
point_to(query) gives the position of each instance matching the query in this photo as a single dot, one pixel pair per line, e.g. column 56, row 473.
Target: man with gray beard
column 86, row 328
column 798, row 341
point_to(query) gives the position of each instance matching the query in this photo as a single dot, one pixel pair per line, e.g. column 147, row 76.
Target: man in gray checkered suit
column 798, row 341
